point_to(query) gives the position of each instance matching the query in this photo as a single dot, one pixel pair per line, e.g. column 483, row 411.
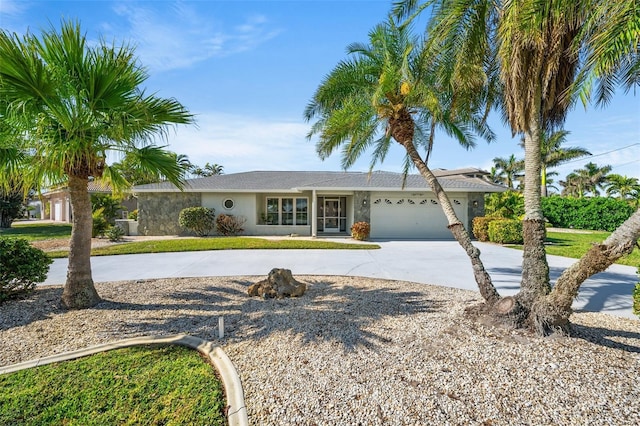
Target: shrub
column 229, row 225
column 508, row 205
column 597, row 213
column 21, row 267
column 636, row 297
column 360, row 231
column 199, row 220
column 133, row 215
column 505, row 231
column 108, row 204
column 114, row 233
column 100, row 224
column 481, row 227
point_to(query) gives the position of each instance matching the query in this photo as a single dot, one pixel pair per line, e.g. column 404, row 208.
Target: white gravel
column 356, row 351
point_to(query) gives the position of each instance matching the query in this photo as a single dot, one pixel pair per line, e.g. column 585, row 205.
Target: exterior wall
column 244, row 205
column 361, row 206
column 476, row 209
column 158, row 212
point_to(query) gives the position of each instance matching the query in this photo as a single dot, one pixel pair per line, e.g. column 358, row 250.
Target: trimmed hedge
column 199, row 220
column 505, row 231
column 597, row 213
column 480, row 226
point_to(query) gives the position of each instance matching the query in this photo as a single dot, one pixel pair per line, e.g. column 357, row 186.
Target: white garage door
column 412, row 217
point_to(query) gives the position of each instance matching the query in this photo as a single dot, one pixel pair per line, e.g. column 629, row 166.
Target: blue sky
column 247, row 69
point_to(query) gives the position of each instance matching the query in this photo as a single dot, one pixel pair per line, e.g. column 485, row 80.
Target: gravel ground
column 355, row 351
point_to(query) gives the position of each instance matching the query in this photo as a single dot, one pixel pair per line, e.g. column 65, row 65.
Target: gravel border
column 358, row 351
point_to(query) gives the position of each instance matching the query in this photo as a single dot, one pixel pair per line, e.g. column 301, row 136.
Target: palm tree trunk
column 535, row 269
column 79, row 291
column 551, row 314
column 543, row 183
column 486, row 287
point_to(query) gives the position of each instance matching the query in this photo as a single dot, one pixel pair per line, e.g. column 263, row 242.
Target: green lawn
column 575, row 245
column 37, row 232
column 169, row 385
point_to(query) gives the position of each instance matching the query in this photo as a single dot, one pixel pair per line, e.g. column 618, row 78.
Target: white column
column 314, row 214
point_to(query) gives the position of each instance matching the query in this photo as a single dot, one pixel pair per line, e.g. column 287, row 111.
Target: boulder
column 280, row 283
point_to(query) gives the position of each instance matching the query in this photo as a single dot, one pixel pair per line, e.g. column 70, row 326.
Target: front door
column 331, row 215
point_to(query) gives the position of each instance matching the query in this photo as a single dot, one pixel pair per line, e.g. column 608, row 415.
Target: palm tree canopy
column 383, row 92
column 76, row 102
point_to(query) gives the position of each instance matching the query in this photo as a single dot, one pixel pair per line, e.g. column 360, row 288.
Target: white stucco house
column 319, row 203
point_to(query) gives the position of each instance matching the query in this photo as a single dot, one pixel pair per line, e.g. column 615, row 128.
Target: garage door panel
column 411, row 217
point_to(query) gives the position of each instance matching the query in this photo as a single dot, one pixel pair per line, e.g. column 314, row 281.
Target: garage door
column 412, row 217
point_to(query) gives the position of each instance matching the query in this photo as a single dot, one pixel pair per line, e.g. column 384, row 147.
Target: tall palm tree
column 75, row 103
column 624, row 187
column 554, row 154
column 383, row 93
column 511, row 168
column 589, row 179
column 207, row 170
column 547, row 52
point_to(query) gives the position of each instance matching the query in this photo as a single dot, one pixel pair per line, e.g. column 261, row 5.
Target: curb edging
column 237, row 414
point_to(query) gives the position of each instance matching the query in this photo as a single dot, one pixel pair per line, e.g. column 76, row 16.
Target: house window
column 287, row 211
column 228, row 204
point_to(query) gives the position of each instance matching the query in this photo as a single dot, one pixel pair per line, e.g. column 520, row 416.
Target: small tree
column 11, row 206
column 199, row 220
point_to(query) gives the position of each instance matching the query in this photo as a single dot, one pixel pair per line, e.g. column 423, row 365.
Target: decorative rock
column 280, row 283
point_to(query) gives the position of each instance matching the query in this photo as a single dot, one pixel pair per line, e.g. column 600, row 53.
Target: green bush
column 100, row 223
column 108, row 204
column 508, row 205
column 597, row 213
column 114, row 233
column 505, row 231
column 480, row 227
column 229, row 225
column 21, row 267
column 133, row 215
column 360, row 231
column 199, row 220
column 636, row 297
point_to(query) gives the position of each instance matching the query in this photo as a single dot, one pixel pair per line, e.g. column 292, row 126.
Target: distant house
column 319, row 203
column 58, row 205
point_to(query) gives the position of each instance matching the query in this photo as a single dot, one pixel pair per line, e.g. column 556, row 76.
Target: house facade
column 57, row 204
column 319, row 203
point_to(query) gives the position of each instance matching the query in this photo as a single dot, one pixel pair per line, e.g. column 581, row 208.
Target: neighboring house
column 59, row 206
column 319, row 203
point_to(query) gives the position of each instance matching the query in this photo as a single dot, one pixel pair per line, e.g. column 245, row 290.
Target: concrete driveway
column 431, row 262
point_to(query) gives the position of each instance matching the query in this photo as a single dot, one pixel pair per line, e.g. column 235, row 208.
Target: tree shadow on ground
column 328, row 311
column 19, row 312
column 607, row 337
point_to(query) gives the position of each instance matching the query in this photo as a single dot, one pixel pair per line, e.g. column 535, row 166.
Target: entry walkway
column 431, row 262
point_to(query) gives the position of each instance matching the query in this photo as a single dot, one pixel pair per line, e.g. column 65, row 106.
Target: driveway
column 431, row 262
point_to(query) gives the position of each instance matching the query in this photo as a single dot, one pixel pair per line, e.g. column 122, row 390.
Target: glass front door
column 331, row 215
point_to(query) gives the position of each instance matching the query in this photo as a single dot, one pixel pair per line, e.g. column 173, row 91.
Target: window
column 228, row 204
column 287, row 211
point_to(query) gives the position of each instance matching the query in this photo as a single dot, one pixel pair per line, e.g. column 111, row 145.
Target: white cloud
column 244, row 143
column 183, row 36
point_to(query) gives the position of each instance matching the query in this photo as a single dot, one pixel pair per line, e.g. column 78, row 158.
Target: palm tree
column 553, row 154
column 384, row 93
column 207, row 170
column 547, row 52
column 511, row 169
column 625, row 187
column 75, row 103
column 590, row 179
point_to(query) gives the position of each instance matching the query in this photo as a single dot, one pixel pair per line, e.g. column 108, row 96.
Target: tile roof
column 466, row 180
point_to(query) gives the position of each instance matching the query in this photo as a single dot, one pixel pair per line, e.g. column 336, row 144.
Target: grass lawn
column 37, row 232
column 138, row 385
column 575, row 245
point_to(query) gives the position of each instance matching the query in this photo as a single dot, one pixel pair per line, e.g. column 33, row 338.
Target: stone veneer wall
column 158, row 212
column 361, row 207
column 475, row 211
